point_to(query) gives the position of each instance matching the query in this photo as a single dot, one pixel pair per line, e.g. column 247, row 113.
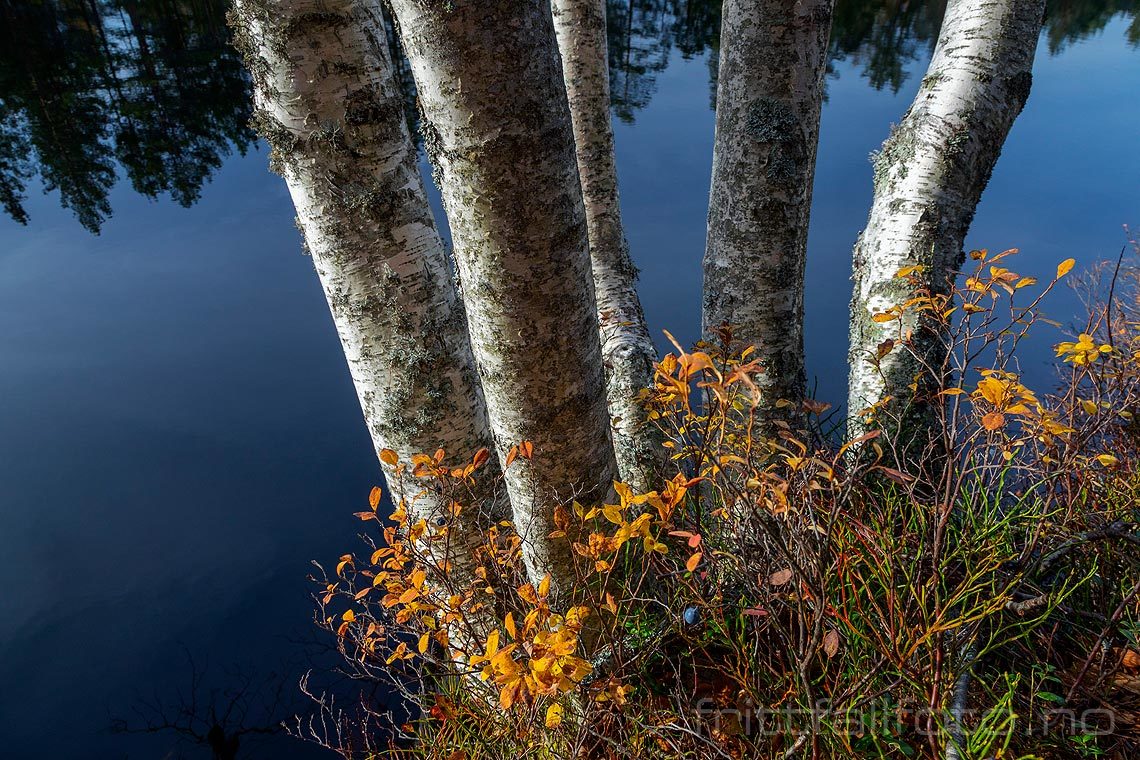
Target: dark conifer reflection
column 883, row 38
column 1071, row 21
column 94, row 89
column 880, row 37
column 91, row 86
column 641, row 36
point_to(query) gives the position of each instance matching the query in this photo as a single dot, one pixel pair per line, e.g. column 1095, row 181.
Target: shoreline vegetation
column 596, row 553
column 791, row 596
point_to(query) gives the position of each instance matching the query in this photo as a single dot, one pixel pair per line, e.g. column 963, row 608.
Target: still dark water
column 178, row 433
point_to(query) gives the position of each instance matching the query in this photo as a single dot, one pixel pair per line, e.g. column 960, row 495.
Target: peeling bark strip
column 929, row 177
column 497, row 127
column 773, row 58
column 328, row 103
column 627, row 350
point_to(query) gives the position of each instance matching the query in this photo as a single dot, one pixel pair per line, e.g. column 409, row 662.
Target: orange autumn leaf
column 831, row 643
column 780, row 577
column 993, row 420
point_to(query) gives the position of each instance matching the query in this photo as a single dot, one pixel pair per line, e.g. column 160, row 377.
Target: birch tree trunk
column 328, row 103
column 497, row 126
column 928, row 179
column 773, row 57
column 627, row 349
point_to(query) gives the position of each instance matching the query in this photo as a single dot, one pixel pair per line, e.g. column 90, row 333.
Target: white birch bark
column 327, row 101
column 773, row 56
column 627, row 349
column 497, row 126
column 928, row 179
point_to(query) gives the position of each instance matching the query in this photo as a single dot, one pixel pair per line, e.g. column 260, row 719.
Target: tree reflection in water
column 152, row 89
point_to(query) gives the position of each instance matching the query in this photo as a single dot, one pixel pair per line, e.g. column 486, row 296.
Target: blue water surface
column 179, row 436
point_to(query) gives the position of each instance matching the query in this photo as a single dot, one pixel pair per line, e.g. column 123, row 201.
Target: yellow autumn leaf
column 1108, row 460
column 418, row 577
column 1065, row 267
column 389, row 457
column 992, row 390
column 509, row 624
column 422, row 644
column 554, row 716
column 398, row 653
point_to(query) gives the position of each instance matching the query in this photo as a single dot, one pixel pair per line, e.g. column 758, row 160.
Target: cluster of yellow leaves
column 731, row 440
column 1005, row 395
column 400, row 579
column 408, row 595
column 677, row 375
column 988, row 279
column 727, row 435
column 424, row 466
column 889, row 314
column 1001, row 394
column 730, row 381
column 404, row 588
column 541, row 659
column 926, row 303
column 629, row 518
column 1083, row 351
column 614, row 692
column 999, row 278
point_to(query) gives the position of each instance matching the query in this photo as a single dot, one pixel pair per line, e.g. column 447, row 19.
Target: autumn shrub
column 789, row 595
